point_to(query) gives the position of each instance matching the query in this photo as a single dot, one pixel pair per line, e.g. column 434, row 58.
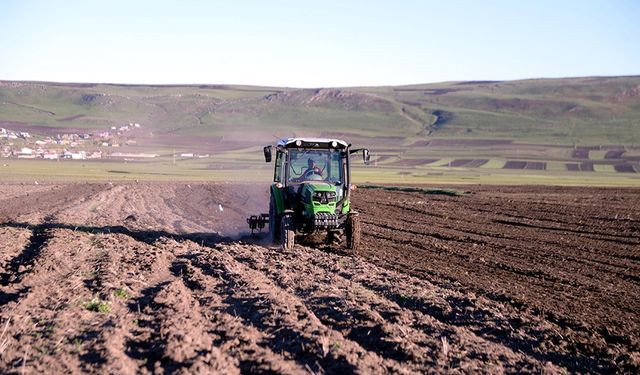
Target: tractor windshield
column 316, row 165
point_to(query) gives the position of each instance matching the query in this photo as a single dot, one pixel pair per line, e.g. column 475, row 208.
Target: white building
column 80, row 155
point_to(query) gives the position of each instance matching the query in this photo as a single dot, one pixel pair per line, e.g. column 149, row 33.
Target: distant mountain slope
column 571, row 111
column 590, row 110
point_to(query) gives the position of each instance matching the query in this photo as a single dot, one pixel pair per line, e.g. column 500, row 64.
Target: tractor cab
column 310, row 191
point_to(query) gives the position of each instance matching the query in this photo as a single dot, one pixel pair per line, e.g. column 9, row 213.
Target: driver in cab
column 310, row 172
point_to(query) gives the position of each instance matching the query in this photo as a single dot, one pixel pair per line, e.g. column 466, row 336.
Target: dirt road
column 155, row 278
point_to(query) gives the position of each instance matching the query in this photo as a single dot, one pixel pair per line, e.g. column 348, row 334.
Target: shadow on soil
column 40, row 236
column 461, row 312
column 258, row 312
column 149, row 349
column 20, row 264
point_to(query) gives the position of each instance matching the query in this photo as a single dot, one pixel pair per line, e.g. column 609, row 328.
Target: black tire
column 274, row 222
column 335, row 238
column 352, row 230
column 287, row 232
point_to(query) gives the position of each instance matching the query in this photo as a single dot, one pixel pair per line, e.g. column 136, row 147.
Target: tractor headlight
column 334, row 144
column 317, row 194
column 298, row 143
column 331, row 195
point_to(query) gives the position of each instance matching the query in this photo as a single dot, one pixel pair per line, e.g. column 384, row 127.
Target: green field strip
column 494, row 164
column 597, row 154
column 606, row 168
column 556, row 166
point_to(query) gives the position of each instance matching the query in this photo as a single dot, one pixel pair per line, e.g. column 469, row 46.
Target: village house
column 80, row 155
column 26, row 151
column 49, row 155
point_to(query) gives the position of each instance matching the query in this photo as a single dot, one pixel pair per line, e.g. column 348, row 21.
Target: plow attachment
column 258, row 222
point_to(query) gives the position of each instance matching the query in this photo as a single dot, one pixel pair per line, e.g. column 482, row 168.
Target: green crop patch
column 97, row 305
column 607, row 168
column 597, row 154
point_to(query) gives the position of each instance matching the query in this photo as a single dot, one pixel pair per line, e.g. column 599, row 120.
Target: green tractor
column 311, row 192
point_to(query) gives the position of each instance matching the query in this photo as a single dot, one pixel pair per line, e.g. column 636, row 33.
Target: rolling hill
column 538, row 124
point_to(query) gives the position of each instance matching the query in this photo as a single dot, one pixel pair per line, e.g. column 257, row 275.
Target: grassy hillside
column 551, row 111
column 589, row 125
column 554, row 111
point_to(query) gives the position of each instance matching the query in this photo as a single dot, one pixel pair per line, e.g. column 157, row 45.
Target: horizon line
column 224, row 85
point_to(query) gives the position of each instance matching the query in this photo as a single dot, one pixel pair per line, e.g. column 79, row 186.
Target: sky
column 316, row 43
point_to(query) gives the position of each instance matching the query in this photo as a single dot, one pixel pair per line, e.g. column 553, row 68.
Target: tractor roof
column 311, row 142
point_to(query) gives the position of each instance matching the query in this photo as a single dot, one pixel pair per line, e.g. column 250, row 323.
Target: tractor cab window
column 277, row 176
column 315, row 165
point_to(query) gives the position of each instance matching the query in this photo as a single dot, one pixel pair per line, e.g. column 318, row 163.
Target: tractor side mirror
column 366, row 156
column 267, row 153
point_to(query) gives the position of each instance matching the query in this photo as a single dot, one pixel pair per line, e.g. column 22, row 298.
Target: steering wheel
column 313, row 175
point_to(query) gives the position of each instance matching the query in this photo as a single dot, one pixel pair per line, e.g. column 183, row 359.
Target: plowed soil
column 156, row 278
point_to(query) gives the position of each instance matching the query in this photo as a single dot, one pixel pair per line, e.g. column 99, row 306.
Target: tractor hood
column 319, row 197
column 318, row 186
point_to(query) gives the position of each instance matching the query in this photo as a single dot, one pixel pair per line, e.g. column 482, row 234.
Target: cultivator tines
column 258, row 222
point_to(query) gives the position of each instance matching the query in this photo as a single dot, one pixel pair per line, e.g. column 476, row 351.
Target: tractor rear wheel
column 274, row 227
column 287, row 232
column 352, row 230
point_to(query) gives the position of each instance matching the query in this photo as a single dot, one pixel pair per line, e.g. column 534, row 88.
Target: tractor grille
column 324, row 197
column 325, row 221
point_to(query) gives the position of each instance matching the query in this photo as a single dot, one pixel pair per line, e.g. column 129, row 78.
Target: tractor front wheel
column 287, row 232
column 352, row 230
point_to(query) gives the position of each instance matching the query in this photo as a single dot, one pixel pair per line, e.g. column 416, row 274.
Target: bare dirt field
column 162, row 277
